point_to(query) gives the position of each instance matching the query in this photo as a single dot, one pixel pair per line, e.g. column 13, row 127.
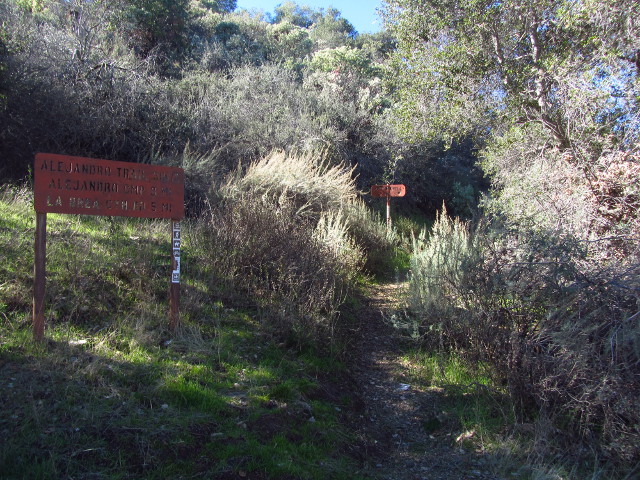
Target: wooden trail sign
column 89, row 186
column 388, row 191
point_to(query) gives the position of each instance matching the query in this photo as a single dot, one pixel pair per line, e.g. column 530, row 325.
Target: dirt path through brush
column 405, row 432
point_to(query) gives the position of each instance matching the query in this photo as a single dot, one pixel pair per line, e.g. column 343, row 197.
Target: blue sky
column 360, row 13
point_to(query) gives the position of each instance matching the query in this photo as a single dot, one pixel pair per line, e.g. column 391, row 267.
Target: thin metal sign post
column 388, row 191
column 174, row 289
column 89, row 186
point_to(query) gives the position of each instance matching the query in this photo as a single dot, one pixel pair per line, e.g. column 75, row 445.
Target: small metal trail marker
column 174, row 289
column 89, row 186
column 388, row 191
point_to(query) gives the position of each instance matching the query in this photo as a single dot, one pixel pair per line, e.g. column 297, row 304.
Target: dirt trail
column 396, row 414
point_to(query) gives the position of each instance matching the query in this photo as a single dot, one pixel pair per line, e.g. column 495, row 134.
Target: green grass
column 469, row 396
column 394, row 264
column 113, row 394
column 485, row 420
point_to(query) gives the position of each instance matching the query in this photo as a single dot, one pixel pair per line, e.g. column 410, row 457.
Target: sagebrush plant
column 557, row 324
column 296, row 239
column 332, row 232
column 285, row 224
column 379, row 243
column 306, row 178
column 438, row 262
column 320, row 190
column 268, row 254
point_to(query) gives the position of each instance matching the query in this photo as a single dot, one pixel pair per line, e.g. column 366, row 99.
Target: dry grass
column 307, row 179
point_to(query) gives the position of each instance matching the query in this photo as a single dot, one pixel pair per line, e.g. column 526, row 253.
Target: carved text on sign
column 88, row 186
column 388, row 190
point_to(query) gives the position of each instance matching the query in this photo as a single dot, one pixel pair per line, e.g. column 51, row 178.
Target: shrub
column 283, row 226
column 378, row 243
column 307, row 179
column 558, row 324
column 332, row 233
column 270, row 255
column 95, row 79
column 75, row 88
column 327, row 194
column 438, row 264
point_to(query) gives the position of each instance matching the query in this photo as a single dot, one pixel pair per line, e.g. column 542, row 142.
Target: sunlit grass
column 113, row 393
column 482, row 409
column 434, row 369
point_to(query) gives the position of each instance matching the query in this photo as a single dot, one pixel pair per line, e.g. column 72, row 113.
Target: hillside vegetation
column 117, row 80
column 546, row 285
column 250, row 384
column 514, row 126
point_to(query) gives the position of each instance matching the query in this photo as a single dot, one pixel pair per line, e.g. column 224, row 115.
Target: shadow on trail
column 404, row 426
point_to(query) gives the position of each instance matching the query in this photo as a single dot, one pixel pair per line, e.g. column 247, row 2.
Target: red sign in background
column 89, row 186
column 388, row 190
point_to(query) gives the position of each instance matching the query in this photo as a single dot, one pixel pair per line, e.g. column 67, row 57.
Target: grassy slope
column 112, row 394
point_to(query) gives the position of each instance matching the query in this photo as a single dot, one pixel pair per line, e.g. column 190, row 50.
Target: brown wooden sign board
column 89, row 186
column 388, row 190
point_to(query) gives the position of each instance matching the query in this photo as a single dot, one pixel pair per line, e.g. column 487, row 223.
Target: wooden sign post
column 388, row 191
column 89, row 186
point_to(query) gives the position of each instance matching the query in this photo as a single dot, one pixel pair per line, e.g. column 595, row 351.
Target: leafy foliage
column 342, row 60
column 549, row 92
column 557, row 325
column 218, row 6
column 502, row 63
column 157, row 24
column 102, row 82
